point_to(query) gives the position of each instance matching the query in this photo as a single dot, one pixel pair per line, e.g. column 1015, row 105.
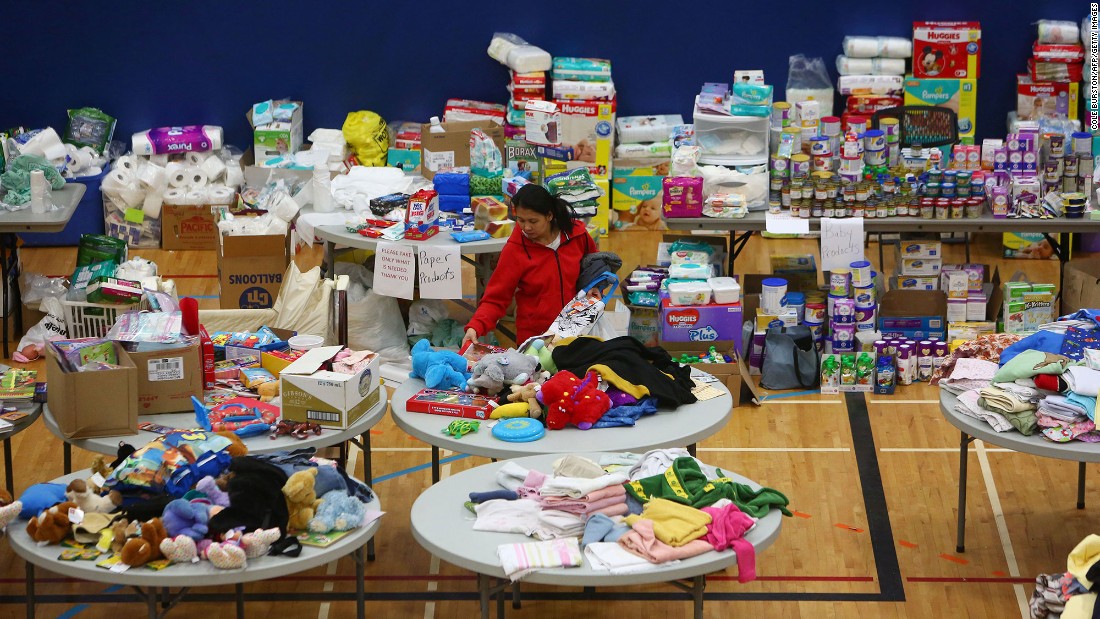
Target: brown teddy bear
column 81, row 493
column 268, row 391
column 52, row 525
column 301, row 499
column 527, row 393
column 236, row 447
column 140, row 550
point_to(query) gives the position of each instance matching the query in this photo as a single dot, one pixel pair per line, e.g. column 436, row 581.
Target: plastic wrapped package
column 517, row 54
column 808, row 80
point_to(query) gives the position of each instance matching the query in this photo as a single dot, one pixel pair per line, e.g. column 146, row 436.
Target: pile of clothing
column 624, row 514
column 1070, row 594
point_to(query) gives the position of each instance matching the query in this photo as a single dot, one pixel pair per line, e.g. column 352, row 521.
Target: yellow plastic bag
column 366, row 133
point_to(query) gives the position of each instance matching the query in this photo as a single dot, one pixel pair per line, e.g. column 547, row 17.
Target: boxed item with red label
column 947, row 49
column 467, row 110
column 869, row 104
column 1035, row 100
column 450, row 404
column 705, row 323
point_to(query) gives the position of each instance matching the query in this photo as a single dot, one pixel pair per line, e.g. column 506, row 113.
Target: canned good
column 800, row 165
column 891, row 129
column 865, row 314
column 858, row 124
column 839, row 281
column 781, row 114
column 819, row 146
column 875, row 157
column 823, row 163
column 1070, row 165
column 830, row 126
column 935, row 175
column 864, row 296
column 874, row 139
column 932, row 188
column 779, row 166
column 1082, row 142
column 957, row 208
column 942, row 211
column 974, row 207
column 947, row 189
column 861, row 273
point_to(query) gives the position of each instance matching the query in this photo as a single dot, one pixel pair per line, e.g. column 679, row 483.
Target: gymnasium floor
column 872, row 480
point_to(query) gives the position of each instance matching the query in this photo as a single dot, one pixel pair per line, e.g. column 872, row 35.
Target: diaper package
column 635, row 129
column 517, row 54
column 582, row 69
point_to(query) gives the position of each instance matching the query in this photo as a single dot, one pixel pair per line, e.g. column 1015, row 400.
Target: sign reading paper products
column 439, row 272
column 395, row 270
column 841, row 242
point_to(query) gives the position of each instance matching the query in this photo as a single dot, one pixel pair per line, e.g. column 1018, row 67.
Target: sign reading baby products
column 439, row 272
column 395, row 271
column 841, row 242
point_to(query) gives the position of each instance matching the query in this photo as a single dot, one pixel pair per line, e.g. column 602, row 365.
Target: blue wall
column 153, row 64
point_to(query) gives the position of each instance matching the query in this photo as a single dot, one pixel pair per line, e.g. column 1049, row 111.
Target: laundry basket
column 91, row 319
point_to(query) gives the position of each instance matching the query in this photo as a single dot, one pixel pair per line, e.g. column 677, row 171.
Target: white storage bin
column 731, row 140
column 726, row 290
column 689, row 293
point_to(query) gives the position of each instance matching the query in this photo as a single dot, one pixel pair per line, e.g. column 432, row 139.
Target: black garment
column 595, row 264
column 667, row 380
column 256, row 498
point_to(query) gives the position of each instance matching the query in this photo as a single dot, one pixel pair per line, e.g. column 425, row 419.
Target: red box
column 421, row 232
column 947, row 49
column 449, row 404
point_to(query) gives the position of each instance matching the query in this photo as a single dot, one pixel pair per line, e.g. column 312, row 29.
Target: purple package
column 171, row 140
column 683, row 196
column 844, row 311
column 844, row 337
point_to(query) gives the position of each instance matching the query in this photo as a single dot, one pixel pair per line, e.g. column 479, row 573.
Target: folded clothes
column 1049, row 383
column 1023, row 392
column 1083, row 380
column 583, row 508
column 1001, row 401
column 642, row 541
column 577, row 487
column 968, row 405
column 553, row 523
column 610, row 492
column 1062, row 407
column 1024, row 421
column 611, row 557
column 519, row 560
column 1085, row 402
column 501, row 516
column 1031, row 363
column 481, row 497
column 511, row 476
column 573, row 465
column 600, row 528
column 531, row 484
column 675, row 524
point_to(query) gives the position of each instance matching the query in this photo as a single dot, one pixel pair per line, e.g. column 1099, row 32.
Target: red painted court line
column 978, row 579
column 841, row 525
column 798, row 514
column 801, row 578
column 907, row 544
column 959, row 560
column 415, row 578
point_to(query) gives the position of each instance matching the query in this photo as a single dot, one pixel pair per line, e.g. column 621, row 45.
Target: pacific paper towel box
column 185, row 227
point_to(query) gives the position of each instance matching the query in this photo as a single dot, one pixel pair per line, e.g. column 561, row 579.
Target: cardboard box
column 332, row 400
column 920, row 249
column 167, row 377
column 1081, row 285
column 706, row 323
column 913, row 314
column 728, row 373
column 251, row 268
column 588, row 128
column 91, row 404
column 1035, row 100
column 451, row 148
column 919, row 266
column 1029, row 245
column 961, row 95
column 277, row 138
column 188, row 227
column 913, row 282
column 947, row 49
column 519, row 156
column 634, row 182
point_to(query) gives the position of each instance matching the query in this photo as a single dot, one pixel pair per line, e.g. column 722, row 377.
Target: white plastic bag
column 374, row 320
column 35, row 287
column 51, row 327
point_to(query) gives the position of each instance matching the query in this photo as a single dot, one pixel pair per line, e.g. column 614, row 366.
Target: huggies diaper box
column 947, row 49
column 588, row 128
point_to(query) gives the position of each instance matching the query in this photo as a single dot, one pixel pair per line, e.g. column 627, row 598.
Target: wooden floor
column 874, row 488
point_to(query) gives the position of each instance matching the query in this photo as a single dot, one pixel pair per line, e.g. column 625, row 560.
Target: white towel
column 1082, row 380
column 554, row 523
column 519, row 560
column 611, row 557
column 576, row 487
column 511, row 476
column 657, row 461
column 503, row 516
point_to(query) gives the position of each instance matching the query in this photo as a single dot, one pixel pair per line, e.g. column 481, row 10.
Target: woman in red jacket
column 538, row 267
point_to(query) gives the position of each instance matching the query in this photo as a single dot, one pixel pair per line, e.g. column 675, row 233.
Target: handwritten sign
column 841, row 242
column 395, row 270
column 783, row 223
column 439, row 272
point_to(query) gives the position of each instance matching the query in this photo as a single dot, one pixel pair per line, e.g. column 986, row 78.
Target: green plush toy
column 542, row 353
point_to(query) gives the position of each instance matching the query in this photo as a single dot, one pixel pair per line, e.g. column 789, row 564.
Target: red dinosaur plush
column 570, row 400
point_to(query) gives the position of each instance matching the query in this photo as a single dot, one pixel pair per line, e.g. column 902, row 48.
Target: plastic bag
column 366, row 133
column 485, row 157
column 51, row 327
column 750, row 182
column 424, row 314
column 36, row 287
column 808, row 80
column 374, row 320
column 685, row 161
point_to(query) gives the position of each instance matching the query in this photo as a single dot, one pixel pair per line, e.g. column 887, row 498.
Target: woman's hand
column 471, row 336
column 595, row 294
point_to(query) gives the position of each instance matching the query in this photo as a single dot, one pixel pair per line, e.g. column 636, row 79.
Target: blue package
column 453, row 203
column 470, row 235
column 451, row 184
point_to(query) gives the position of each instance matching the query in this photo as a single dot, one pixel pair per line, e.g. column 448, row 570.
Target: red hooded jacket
column 541, row 279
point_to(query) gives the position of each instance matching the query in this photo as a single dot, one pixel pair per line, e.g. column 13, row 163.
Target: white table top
column 340, row 236
column 35, row 411
column 444, row 527
column 1035, row 444
column 198, row 574
column 757, row 221
column 54, row 221
column 683, row 426
column 256, row 444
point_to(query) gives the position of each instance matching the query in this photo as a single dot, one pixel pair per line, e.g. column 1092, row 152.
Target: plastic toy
column 519, row 430
column 241, row 416
column 461, row 427
column 510, row 410
column 298, row 429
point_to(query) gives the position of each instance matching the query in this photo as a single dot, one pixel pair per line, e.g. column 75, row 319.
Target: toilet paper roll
column 220, row 195
column 861, row 47
column 854, row 66
column 79, row 159
column 284, row 207
column 214, row 167
column 152, row 176
column 196, row 178
column 152, row 204
column 55, row 153
column 128, row 163
column 116, row 181
column 161, row 160
column 895, row 47
column 42, row 142
column 132, row 198
column 196, row 159
column 888, row 66
column 39, row 188
column 195, row 197
column 178, row 175
column 174, row 196
column 234, row 175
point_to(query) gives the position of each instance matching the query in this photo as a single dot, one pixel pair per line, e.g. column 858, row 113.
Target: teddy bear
column 257, row 543
column 339, row 511
column 570, row 400
column 100, row 466
column 184, row 517
column 122, row 530
column 78, row 491
column 140, row 550
column 528, row 392
column 268, row 391
column 52, row 525
column 226, row 555
column 440, row 369
column 492, row 372
column 179, row 549
column 301, row 500
column 9, row 512
column 209, row 486
column 236, row 445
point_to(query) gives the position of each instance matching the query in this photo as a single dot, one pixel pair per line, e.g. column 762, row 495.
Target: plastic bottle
column 436, row 127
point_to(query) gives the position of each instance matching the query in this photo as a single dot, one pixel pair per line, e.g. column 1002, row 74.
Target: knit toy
column 179, row 549
column 141, row 550
column 527, row 393
column 51, row 526
column 190, row 518
column 9, row 512
column 301, row 500
column 209, row 486
column 339, row 511
column 570, row 400
column 492, row 372
column 440, row 369
column 79, row 492
column 257, row 543
column 226, row 555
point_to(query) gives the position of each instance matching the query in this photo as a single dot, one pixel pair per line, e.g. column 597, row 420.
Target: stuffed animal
column 209, row 486
column 570, row 400
column 256, row 498
column 339, row 511
column 301, row 500
column 99, row 465
column 122, row 530
column 179, row 549
column 542, row 353
column 440, row 369
column 52, row 525
column 5, row 497
column 226, row 555
column 140, row 550
column 268, row 391
column 257, row 543
column 528, row 393
column 9, row 512
column 492, row 372
column 79, row 492
column 190, row 518
column 236, row 446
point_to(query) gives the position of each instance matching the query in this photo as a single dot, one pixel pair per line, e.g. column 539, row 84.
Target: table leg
column 691, row 449
column 881, row 258
column 699, row 583
column 515, row 595
column 966, row 237
column 435, row 464
column 964, row 442
column 500, row 604
column 17, row 295
column 30, row 590
column 238, row 589
column 1080, row 485
column 360, row 593
column 368, row 477
column 483, row 594
column 328, row 260
column 67, row 458
column 151, row 603
column 4, row 238
column 9, row 477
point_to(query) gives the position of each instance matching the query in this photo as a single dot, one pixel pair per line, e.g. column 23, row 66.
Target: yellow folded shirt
column 673, row 523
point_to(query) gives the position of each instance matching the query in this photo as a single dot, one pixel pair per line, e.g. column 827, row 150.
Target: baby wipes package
column 639, row 129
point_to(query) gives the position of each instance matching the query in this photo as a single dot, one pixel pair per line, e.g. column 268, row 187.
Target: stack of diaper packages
column 646, row 136
column 523, row 87
column 871, row 71
column 173, row 167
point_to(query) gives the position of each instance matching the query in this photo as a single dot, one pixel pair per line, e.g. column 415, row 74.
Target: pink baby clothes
column 641, row 541
column 531, row 485
column 618, row 509
column 588, row 503
column 727, row 530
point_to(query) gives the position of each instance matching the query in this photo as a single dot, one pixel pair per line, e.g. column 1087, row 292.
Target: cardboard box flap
column 913, row 303
column 1081, row 285
column 244, row 246
column 312, row 361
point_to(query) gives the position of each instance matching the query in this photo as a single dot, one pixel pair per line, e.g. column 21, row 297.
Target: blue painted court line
column 780, row 396
column 79, row 608
column 419, row 467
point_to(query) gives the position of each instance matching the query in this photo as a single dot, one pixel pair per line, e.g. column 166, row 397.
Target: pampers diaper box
column 634, row 181
column 961, row 95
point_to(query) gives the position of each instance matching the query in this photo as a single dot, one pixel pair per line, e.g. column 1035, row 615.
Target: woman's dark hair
column 536, row 198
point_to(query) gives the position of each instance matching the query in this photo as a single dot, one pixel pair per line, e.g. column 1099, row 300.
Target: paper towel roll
column 128, row 163
column 38, row 191
column 152, row 176
column 895, row 47
column 152, row 204
column 861, row 47
column 55, row 152
column 284, row 207
column 853, row 66
column 888, row 66
column 195, row 197
column 196, row 178
column 214, row 167
column 234, row 175
column 220, row 195
column 322, row 192
column 196, row 159
column 174, row 196
column 42, row 142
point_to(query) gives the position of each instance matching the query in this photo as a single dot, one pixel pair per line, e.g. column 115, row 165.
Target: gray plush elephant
column 493, row 372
